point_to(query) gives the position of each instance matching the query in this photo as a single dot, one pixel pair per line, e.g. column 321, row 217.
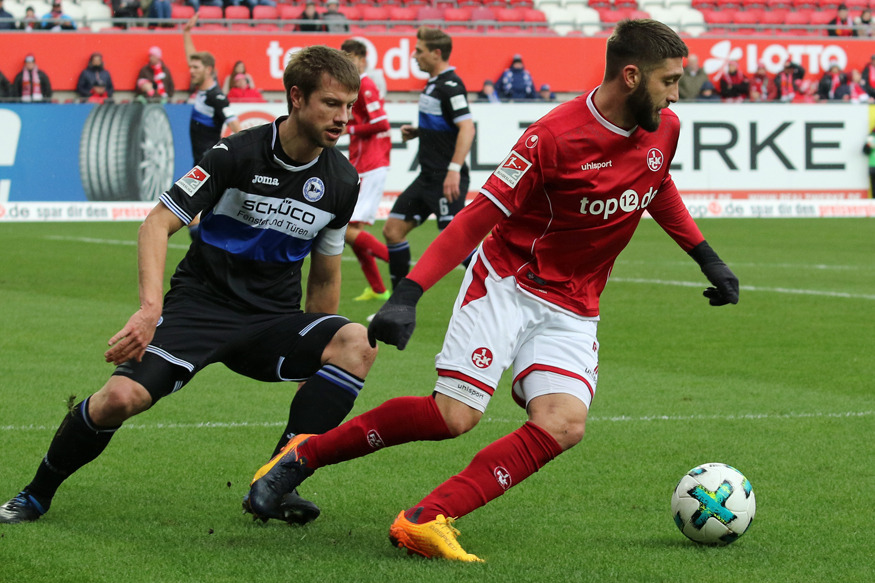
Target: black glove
column 395, row 321
column 725, row 290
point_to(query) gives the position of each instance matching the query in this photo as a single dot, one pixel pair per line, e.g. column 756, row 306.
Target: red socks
column 500, row 465
column 396, row 421
column 366, row 247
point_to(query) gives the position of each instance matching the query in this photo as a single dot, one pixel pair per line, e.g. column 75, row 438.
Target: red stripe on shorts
column 454, row 374
column 477, row 287
column 553, row 369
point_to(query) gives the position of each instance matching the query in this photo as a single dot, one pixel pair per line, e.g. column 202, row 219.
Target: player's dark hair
column 307, row 66
column 206, row 59
column 644, row 43
column 354, row 47
column 435, row 39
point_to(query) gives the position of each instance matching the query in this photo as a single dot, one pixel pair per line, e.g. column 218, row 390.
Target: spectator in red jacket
column 842, row 24
column 242, row 92
column 734, row 85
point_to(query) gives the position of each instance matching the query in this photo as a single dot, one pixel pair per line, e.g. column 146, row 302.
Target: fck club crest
column 482, row 357
column 655, row 159
column 502, row 476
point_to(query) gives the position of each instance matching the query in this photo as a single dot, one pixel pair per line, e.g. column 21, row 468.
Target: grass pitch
column 779, row 386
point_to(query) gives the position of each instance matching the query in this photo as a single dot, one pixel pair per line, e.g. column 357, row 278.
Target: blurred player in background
column 560, row 208
column 369, row 148
column 210, row 112
column 445, row 132
column 270, row 196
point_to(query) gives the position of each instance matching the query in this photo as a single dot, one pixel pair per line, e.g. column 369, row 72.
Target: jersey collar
column 279, row 155
column 603, row 121
column 447, row 70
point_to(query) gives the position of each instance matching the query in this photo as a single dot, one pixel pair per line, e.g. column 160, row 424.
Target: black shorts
column 195, row 331
column 425, row 197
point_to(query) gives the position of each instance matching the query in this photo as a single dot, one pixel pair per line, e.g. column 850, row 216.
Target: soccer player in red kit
column 369, row 147
column 560, row 208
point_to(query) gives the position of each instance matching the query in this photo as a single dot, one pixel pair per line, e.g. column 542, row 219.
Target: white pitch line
column 594, row 418
column 127, row 243
column 753, row 288
column 781, row 290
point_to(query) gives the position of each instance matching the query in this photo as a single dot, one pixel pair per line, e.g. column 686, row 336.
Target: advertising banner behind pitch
column 568, row 64
column 131, row 153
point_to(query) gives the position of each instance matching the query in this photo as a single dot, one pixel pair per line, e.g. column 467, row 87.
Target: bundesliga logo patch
column 512, row 169
column 191, row 182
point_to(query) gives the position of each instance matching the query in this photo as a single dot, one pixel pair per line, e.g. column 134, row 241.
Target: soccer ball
column 713, row 504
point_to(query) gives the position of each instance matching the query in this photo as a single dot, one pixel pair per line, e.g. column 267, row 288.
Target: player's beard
column 643, row 110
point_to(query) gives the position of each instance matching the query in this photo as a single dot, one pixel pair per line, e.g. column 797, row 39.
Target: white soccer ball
column 713, row 504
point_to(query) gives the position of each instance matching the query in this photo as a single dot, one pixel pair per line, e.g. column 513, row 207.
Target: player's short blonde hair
column 435, row 39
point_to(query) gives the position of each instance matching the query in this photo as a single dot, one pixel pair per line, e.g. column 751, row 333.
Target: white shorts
column 370, row 194
column 496, row 326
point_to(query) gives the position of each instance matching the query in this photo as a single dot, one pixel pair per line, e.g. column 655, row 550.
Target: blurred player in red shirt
column 560, row 208
column 369, row 147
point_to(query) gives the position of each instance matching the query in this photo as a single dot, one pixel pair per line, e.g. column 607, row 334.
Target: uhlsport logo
column 482, row 357
column 655, row 159
column 502, row 476
column 512, row 169
column 374, row 440
column 532, row 141
column 191, row 182
column 314, row 189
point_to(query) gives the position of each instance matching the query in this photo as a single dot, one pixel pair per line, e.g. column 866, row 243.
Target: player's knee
column 350, row 350
column 394, row 231
column 118, row 400
column 459, row 417
column 567, row 431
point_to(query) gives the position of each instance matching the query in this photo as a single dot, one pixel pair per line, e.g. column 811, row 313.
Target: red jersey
column 369, row 141
column 573, row 190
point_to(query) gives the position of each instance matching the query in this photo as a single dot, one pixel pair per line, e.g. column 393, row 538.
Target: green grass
column 778, row 386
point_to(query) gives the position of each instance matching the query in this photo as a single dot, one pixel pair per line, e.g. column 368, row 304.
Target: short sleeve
column 524, row 171
column 202, row 186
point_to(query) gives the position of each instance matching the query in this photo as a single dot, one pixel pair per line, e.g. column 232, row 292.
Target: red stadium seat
column 352, row 13
column 236, row 12
column 753, row 4
column 503, row 15
column 536, row 19
column 804, row 4
column 820, row 18
column 610, row 18
column 718, row 21
column 266, row 27
column 521, row 3
column 430, row 14
column 637, row 14
column 599, row 4
column 482, row 13
column 702, row 5
column 210, row 13
column 403, row 14
column 797, row 22
column 374, row 13
column 626, row 4
column 452, row 29
column 778, row 4
column 747, row 21
column 772, row 20
column 181, row 11
column 455, row 15
column 265, row 13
